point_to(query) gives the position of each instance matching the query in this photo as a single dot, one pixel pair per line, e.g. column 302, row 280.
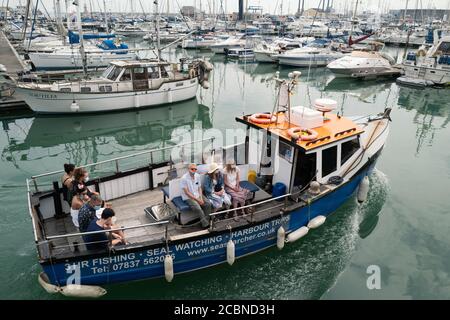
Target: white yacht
column 69, row 57
column 198, row 42
column 124, row 85
column 428, row 67
column 308, row 56
column 362, row 61
column 241, row 54
column 132, row 31
column 266, row 52
column 222, row 45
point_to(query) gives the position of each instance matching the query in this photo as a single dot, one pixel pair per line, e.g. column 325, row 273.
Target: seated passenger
column 214, row 188
column 232, row 187
column 88, row 210
column 66, row 181
column 191, row 193
column 80, row 178
column 100, row 240
column 79, row 199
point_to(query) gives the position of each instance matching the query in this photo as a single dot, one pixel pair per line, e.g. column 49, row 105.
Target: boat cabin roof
column 138, row 63
column 334, row 128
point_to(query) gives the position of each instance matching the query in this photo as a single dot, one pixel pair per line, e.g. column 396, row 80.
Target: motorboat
column 124, row 85
column 428, row 66
column 241, row 54
column 360, row 62
column 69, row 56
column 222, row 45
column 308, row 56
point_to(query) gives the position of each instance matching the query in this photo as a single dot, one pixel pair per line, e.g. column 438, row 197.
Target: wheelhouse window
column 153, row 72
column 444, row 48
column 114, row 73
column 305, row 169
column 140, row 73
column 126, row 76
column 107, row 71
column 348, row 149
column 329, row 160
column 164, row 73
column 285, row 151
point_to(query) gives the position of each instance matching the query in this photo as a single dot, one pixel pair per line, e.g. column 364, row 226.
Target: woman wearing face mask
column 80, row 178
column 66, row 181
column 232, row 187
column 79, row 199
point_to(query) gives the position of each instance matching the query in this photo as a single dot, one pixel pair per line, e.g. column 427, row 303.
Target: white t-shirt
column 192, row 185
column 232, row 176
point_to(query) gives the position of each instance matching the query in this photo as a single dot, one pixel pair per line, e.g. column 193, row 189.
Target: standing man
column 191, row 192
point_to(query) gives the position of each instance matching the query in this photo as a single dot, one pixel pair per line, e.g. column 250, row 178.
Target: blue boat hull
column 201, row 252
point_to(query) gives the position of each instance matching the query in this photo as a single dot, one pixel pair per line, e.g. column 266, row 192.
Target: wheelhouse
column 295, row 163
column 127, row 76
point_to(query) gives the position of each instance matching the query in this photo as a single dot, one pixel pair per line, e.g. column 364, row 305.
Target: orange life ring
column 263, row 118
column 298, row 133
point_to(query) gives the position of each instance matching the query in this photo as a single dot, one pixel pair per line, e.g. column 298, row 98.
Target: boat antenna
column 80, row 33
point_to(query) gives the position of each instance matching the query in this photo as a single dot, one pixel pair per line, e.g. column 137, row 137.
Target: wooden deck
column 130, row 213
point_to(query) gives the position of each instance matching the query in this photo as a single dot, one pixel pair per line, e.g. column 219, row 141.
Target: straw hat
column 213, row 167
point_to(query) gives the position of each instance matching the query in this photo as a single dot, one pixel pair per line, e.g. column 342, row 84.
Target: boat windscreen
column 115, row 72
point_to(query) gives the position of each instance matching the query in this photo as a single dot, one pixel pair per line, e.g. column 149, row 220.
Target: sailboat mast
column 353, row 23
column 80, row 33
column 25, row 23
column 106, row 16
column 158, row 39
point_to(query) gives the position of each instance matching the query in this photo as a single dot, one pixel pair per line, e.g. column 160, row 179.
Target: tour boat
column 124, row 85
column 299, row 165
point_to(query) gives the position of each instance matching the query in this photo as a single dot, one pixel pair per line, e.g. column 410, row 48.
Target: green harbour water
column 403, row 227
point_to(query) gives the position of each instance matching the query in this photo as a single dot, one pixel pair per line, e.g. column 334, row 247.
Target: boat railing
column 252, row 213
column 65, row 244
column 115, row 162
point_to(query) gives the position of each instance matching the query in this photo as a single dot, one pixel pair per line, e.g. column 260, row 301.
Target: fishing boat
column 307, row 163
column 428, row 67
column 124, row 85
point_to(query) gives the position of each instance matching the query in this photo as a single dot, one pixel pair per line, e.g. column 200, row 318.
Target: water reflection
column 365, row 91
column 369, row 211
column 432, row 111
column 83, row 135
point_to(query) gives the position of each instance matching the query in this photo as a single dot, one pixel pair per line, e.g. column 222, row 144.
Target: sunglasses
column 193, row 169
